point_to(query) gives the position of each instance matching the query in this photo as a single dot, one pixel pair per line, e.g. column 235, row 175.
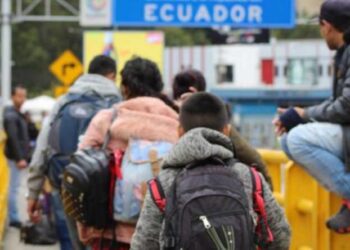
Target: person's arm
column 336, row 111
column 276, row 220
column 37, row 166
column 11, row 128
column 248, row 155
column 148, row 228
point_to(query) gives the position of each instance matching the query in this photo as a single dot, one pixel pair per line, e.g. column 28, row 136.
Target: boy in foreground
column 219, row 213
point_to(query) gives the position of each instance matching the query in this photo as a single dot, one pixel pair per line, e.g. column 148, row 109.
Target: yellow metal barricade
column 301, row 208
column 307, row 205
column 4, row 182
column 275, row 160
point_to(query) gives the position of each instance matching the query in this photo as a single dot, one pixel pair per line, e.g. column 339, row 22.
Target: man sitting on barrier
column 322, row 146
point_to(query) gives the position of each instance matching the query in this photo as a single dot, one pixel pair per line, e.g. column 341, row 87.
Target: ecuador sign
column 205, row 13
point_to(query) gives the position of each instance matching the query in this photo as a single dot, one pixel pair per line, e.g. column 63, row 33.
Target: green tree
column 37, row 44
column 299, row 32
column 185, row 37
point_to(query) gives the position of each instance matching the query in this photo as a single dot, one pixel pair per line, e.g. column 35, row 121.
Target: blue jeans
column 15, row 183
column 318, row 148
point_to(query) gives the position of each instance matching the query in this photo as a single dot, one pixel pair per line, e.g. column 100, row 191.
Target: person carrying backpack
column 203, row 198
column 145, row 120
column 60, row 136
column 190, row 81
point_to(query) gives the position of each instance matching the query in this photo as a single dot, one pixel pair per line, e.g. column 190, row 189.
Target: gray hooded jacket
column 37, row 167
column 199, row 144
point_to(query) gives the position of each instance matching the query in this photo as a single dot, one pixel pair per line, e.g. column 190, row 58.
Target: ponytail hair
column 167, row 101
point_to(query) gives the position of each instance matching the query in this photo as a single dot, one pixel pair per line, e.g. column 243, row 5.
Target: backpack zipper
column 200, row 196
column 212, row 233
column 229, row 234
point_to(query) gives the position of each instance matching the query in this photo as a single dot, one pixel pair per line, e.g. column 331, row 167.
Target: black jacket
column 337, row 108
column 17, row 143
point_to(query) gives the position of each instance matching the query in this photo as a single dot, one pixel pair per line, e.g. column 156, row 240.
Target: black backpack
column 86, row 190
column 206, row 208
column 69, row 124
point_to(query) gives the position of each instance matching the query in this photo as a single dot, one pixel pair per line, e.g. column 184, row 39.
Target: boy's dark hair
column 203, row 110
column 186, row 79
column 142, row 77
column 102, row 65
column 15, row 88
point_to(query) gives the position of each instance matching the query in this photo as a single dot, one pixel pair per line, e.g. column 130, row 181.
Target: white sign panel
column 96, row 13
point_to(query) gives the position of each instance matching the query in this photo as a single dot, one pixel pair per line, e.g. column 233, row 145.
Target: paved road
column 12, row 235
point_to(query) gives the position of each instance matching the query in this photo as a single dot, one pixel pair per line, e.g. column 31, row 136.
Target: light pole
column 6, row 49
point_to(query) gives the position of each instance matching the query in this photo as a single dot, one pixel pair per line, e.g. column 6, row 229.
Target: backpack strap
column 155, row 164
column 263, row 232
column 157, row 194
column 108, row 135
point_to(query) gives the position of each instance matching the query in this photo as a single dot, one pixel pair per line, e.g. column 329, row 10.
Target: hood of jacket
column 97, row 83
column 199, row 144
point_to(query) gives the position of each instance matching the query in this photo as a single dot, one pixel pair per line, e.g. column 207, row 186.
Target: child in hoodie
column 204, row 129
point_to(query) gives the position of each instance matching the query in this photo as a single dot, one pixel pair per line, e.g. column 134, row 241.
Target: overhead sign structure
column 66, row 68
column 205, row 13
column 96, row 13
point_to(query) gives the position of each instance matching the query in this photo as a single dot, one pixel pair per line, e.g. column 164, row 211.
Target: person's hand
column 22, row 164
column 279, row 128
column 33, row 210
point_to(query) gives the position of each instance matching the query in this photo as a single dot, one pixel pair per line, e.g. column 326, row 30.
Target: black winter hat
column 337, row 12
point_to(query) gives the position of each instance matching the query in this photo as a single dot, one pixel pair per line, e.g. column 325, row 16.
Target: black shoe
column 16, row 224
column 340, row 222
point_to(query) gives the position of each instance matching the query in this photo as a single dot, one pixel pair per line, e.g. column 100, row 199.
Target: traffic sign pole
column 6, row 50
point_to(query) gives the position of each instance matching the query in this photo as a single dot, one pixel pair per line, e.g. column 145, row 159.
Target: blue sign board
column 205, row 13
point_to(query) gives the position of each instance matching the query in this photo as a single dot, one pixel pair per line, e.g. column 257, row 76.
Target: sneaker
column 16, row 224
column 340, row 223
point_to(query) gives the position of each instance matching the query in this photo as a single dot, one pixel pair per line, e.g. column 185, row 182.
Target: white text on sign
column 156, row 12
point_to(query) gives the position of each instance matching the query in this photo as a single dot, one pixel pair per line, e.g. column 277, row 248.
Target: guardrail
column 306, row 203
column 4, row 182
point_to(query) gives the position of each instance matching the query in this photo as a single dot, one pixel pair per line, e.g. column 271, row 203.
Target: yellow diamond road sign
column 66, row 68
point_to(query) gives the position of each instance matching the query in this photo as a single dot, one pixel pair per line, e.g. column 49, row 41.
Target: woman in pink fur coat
column 145, row 114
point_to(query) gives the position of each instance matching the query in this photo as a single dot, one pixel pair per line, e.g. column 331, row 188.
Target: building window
column 330, row 70
column 320, row 70
column 302, row 71
column 277, row 73
column 224, row 74
column 267, row 71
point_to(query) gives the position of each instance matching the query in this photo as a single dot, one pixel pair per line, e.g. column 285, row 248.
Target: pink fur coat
column 144, row 118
